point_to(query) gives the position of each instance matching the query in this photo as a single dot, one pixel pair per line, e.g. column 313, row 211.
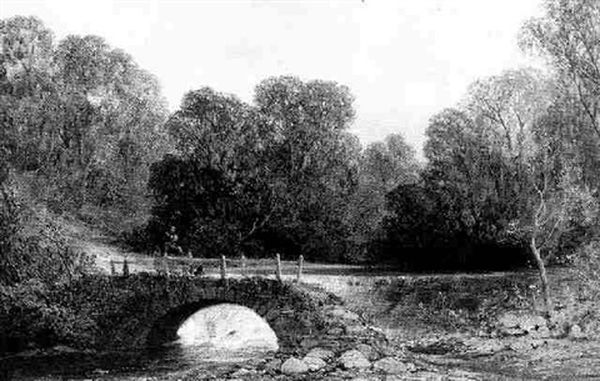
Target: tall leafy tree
column 26, row 91
column 564, row 171
column 79, row 118
column 111, row 120
column 463, row 202
column 216, row 192
column 568, row 35
column 313, row 161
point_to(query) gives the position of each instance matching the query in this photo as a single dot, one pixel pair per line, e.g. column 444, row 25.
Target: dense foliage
column 509, row 177
column 33, row 245
column 80, row 119
column 510, row 171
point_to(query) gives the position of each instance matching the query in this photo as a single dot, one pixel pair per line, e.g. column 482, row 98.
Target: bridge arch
column 145, row 310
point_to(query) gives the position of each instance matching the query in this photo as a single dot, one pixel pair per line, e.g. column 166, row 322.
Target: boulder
column 294, row 365
column 314, row 363
column 391, row 365
column 321, row 353
column 354, row 359
column 370, row 353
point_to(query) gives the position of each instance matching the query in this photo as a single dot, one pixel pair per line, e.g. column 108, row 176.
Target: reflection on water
column 211, row 339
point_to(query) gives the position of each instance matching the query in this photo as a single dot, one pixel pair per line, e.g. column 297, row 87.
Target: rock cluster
column 355, row 352
column 361, row 358
column 348, row 348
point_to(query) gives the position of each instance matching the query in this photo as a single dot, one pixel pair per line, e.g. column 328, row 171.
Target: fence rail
column 223, row 267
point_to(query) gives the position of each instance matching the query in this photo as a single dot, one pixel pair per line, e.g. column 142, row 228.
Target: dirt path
column 105, row 250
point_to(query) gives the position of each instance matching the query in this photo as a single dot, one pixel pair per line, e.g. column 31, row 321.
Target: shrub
column 33, row 245
column 28, row 319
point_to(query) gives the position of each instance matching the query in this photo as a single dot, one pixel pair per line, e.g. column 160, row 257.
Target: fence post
column 278, row 269
column 223, row 268
column 125, row 268
column 300, row 265
column 243, row 265
column 113, row 271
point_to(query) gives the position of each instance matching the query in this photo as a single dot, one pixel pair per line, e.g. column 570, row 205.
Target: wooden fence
column 224, row 267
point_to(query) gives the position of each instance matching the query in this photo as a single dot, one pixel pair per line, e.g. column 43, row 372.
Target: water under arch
column 227, row 327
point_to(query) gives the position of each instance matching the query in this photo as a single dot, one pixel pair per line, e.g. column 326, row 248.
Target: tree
column 26, row 90
column 504, row 108
column 273, row 176
column 455, row 215
column 568, row 35
column 557, row 204
column 568, row 134
column 80, row 119
column 382, row 167
column 313, row 162
column 220, row 132
column 110, row 126
column 216, row 191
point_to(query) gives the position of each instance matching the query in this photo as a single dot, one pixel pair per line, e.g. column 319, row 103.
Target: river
column 147, row 363
column 211, row 341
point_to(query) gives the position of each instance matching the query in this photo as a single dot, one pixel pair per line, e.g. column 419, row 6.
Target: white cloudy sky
column 403, row 59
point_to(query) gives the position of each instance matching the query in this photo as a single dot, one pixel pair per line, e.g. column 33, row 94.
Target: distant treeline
column 509, row 172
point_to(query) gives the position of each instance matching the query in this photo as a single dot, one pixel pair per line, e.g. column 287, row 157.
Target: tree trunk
column 543, row 277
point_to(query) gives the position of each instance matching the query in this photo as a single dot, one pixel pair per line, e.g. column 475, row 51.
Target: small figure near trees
column 172, row 242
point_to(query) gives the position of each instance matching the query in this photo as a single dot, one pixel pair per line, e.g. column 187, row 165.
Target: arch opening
column 214, row 326
column 227, row 327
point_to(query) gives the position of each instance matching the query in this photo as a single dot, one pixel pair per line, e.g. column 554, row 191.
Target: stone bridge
column 144, row 310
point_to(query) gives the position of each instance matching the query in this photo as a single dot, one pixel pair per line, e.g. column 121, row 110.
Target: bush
column 29, row 320
column 576, row 296
column 586, row 262
column 33, row 245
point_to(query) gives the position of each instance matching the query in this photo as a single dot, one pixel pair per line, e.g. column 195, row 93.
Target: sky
column 404, row 60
